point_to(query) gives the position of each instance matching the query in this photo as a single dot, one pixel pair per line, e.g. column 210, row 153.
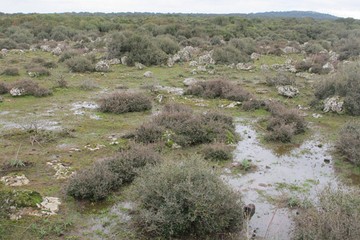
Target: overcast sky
column 341, row 8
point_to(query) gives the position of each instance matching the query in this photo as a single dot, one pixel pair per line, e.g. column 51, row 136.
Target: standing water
column 303, row 171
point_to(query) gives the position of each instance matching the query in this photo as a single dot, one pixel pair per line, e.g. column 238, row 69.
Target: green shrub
column 349, row 142
column 80, row 64
column 138, row 48
column 38, row 71
column 167, row 44
column 11, row 71
column 345, row 84
column 280, row 79
column 229, row 54
column 217, row 152
column 149, row 133
column 182, row 199
column 336, row 216
column 122, row 102
column 7, row 43
column 126, row 164
column 88, row 85
column 93, row 183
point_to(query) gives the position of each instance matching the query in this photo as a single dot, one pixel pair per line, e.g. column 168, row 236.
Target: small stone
column 17, row 92
column 139, row 66
column 326, row 160
column 148, row 74
column 15, row 181
column 190, row 81
column 288, row 91
column 102, row 66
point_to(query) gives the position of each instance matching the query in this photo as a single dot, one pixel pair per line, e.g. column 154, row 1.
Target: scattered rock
column 102, row 66
column 97, row 147
column 190, row 81
column 148, row 74
column 172, row 90
column 124, row 60
column 232, row 105
column 170, row 62
column 206, row 58
column 305, row 75
column 264, row 67
column 15, row 181
column 201, row 68
column 289, row 50
column 193, row 63
column 288, row 91
column 17, row 92
column 114, row 61
column 62, row 171
column 185, row 54
column 261, row 91
column 45, row 48
column 316, row 115
column 139, row 66
column 57, row 51
column 49, row 205
column 244, row 66
column 328, row 67
column 333, row 104
column 255, row 56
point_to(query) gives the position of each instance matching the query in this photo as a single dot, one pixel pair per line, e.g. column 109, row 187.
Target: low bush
column 4, row 88
column 179, row 124
column 88, row 85
column 167, row 44
column 93, row 183
column 253, row 104
column 11, row 71
column 349, row 142
column 184, row 199
column 219, row 89
column 345, row 84
column 284, row 122
column 38, row 71
column 30, row 87
column 229, row 54
column 126, row 164
column 336, row 217
column 80, row 64
column 122, row 102
column 217, row 152
column 280, row 79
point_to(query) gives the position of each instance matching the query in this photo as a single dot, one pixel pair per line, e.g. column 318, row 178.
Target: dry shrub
column 122, row 102
column 284, row 122
column 219, row 89
column 88, row 85
column 349, row 142
column 31, row 88
column 179, row 124
column 11, row 71
column 4, row 88
column 80, row 64
column 36, row 71
column 217, row 152
column 336, row 217
column 93, row 183
column 280, row 79
column 126, row 164
column 253, row 104
column 182, row 199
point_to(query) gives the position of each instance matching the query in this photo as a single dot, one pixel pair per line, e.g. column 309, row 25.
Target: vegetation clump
column 337, row 216
column 344, row 84
column 122, row 102
column 283, row 123
column 11, row 71
column 349, row 143
column 179, row 124
column 30, row 87
column 80, row 64
column 219, row 88
column 217, row 152
column 184, row 198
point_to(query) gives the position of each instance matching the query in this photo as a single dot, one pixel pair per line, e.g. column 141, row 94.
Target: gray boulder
column 148, row 74
column 288, row 91
column 102, row 66
column 190, row 81
column 333, row 104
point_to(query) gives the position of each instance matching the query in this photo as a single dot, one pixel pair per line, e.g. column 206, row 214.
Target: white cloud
column 345, row 8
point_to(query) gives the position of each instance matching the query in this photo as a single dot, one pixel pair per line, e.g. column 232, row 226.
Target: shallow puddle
column 301, row 172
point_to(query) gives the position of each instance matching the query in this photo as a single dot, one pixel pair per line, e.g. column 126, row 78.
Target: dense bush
column 11, row 71
column 229, row 54
column 349, row 142
column 253, row 104
column 184, row 198
column 80, row 64
column 122, row 102
column 179, row 124
column 93, row 183
column 167, row 44
column 217, row 152
column 283, row 122
column 126, row 164
column 138, row 48
column 346, row 83
column 35, row 71
column 30, row 87
column 219, row 89
column 336, row 217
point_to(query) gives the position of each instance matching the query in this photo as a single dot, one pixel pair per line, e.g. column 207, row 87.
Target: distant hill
column 293, row 14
